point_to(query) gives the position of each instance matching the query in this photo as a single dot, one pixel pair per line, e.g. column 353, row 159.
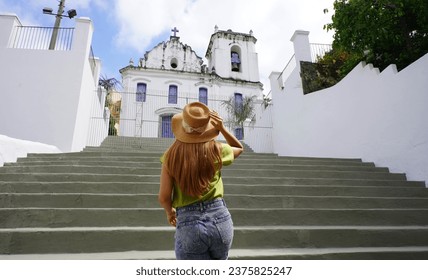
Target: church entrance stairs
column 101, row 203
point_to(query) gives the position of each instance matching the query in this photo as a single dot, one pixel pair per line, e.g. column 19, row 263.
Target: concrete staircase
column 102, row 204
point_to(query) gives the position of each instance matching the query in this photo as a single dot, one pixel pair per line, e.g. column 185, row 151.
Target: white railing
column 286, row 72
column 99, row 120
column 92, row 61
column 38, row 38
column 319, row 50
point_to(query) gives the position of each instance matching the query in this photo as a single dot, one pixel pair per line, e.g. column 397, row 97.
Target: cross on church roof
column 175, row 30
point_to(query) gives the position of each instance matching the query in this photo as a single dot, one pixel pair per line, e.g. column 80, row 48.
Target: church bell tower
column 232, row 55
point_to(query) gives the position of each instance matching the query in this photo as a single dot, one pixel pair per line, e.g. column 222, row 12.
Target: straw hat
column 193, row 124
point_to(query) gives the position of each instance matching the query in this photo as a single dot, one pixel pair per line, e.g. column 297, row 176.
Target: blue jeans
column 204, row 231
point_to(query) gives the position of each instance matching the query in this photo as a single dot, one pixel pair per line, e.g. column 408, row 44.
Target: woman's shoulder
column 222, row 145
column 226, row 153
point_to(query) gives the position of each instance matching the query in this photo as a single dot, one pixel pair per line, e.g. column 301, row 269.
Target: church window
column 239, row 106
column 172, row 94
column 141, row 92
column 238, row 102
column 203, row 95
column 235, row 61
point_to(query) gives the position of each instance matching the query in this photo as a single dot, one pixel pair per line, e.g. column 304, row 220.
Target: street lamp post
column 70, row 14
column 57, row 25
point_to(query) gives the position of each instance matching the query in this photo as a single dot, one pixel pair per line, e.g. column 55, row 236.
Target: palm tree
column 112, row 101
column 267, row 101
column 238, row 113
column 109, row 84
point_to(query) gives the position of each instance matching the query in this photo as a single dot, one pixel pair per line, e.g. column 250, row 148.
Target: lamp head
column 72, row 13
column 47, row 10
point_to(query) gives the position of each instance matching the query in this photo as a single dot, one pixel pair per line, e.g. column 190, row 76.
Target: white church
column 172, row 74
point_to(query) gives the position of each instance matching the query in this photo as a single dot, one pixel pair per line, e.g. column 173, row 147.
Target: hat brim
column 180, row 134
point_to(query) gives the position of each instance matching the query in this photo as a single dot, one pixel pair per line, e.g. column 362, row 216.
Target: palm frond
column 108, row 84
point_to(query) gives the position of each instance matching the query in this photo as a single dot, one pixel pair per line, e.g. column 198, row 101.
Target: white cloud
column 272, row 21
column 140, row 21
column 141, row 24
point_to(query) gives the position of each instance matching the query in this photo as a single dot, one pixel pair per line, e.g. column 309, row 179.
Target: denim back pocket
column 224, row 225
column 187, row 236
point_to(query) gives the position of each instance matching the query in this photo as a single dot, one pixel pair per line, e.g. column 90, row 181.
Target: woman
column 191, row 187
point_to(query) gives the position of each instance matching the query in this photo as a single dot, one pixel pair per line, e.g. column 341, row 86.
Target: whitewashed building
column 171, row 75
column 48, row 93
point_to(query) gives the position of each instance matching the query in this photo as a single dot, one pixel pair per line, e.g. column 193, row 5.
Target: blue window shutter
column 239, row 106
column 166, row 127
column 239, row 133
column 172, row 94
column 141, row 92
column 238, row 102
column 203, row 95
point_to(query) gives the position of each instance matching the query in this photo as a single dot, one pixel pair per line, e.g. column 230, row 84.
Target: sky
column 127, row 29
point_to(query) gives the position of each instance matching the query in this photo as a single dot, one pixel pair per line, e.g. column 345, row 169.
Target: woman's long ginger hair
column 193, row 165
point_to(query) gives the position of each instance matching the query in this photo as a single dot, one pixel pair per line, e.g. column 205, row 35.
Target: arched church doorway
column 165, row 117
column 166, row 129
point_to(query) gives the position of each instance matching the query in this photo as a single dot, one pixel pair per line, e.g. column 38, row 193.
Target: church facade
column 171, row 75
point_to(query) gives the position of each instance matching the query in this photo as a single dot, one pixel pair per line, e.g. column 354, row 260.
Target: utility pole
column 57, row 24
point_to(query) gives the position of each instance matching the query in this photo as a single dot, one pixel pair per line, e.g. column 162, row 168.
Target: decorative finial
column 251, row 32
column 131, row 62
column 215, row 28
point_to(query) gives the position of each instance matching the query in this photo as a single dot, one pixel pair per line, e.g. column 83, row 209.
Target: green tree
column 239, row 113
column 381, row 32
column 110, row 85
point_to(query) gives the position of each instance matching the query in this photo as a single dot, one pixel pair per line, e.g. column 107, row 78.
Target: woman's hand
column 216, row 121
column 171, row 216
column 164, row 197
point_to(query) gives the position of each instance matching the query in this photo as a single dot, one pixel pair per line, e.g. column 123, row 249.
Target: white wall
column 88, row 82
column 379, row 117
column 258, row 134
column 99, row 120
column 11, row 149
column 47, row 93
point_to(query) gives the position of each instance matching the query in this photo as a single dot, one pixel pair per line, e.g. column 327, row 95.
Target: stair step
column 107, row 217
column 137, row 156
column 153, row 188
column 127, row 167
column 272, row 173
column 348, row 253
column 119, row 239
column 77, row 200
column 156, row 159
column 298, row 178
